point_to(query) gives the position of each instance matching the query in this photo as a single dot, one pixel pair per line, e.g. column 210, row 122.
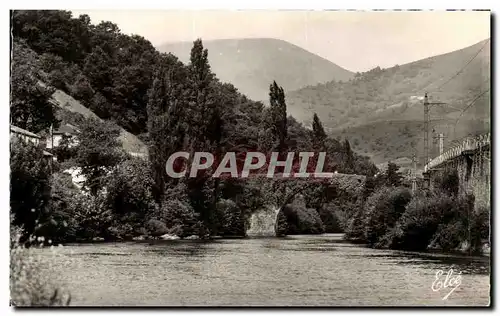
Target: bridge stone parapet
column 471, row 159
column 469, row 144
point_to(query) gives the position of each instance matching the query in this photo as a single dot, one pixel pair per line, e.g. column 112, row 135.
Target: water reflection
column 297, row 270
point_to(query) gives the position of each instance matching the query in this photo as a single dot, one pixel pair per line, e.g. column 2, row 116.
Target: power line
column 468, row 106
column 460, row 71
column 456, row 74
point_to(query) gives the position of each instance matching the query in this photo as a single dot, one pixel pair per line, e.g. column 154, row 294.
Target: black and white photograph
column 250, row 158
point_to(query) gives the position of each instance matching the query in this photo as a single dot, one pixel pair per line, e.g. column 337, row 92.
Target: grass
column 33, row 277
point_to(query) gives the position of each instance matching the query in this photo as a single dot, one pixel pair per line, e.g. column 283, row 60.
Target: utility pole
column 414, row 176
column 440, row 138
column 51, row 132
column 427, row 119
column 426, row 129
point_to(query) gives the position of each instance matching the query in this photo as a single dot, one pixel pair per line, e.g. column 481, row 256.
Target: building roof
column 18, row 130
column 66, row 129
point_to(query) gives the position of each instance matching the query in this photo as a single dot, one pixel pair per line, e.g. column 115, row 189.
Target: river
column 320, row 270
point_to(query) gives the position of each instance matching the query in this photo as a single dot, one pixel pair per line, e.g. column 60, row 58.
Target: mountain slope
column 130, row 143
column 251, row 65
column 381, row 110
column 68, row 105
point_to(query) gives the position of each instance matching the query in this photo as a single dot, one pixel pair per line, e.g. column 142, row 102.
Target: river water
column 318, row 270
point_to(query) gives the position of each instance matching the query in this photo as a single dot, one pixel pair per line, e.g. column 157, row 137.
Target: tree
column 82, row 90
column 97, row 152
column 97, row 69
column 64, row 202
column 393, row 176
column 319, row 134
column 29, row 186
column 369, row 187
column 230, row 218
column 449, row 182
column 203, row 109
column 129, row 197
column 30, row 106
column 167, row 121
column 204, row 131
column 278, row 117
column 129, row 189
column 52, row 31
column 348, row 157
column 383, row 210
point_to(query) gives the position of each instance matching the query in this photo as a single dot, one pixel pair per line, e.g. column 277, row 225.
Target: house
column 66, row 131
column 24, row 135
column 27, row 136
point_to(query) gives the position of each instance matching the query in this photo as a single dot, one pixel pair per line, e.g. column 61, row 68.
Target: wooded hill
column 381, row 111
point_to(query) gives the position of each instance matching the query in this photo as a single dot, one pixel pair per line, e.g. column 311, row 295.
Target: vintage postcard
column 250, row 158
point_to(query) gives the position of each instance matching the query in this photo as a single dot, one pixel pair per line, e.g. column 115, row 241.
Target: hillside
column 252, row 64
column 130, row 143
column 381, row 110
column 71, row 110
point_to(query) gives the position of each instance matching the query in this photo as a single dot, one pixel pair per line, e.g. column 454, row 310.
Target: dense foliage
column 443, row 219
column 30, row 187
column 174, row 107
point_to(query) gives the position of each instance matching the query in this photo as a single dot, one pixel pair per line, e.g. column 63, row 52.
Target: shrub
column 378, row 215
column 302, row 220
column 122, row 230
column 480, row 228
column 345, row 211
column 92, row 219
column 463, row 226
column 449, row 236
column 281, row 225
column 449, row 182
column 230, row 217
column 29, row 185
column 156, row 228
column 129, row 196
column 63, row 203
column 383, row 209
column 438, row 219
column 176, row 213
column 328, row 214
column 355, row 229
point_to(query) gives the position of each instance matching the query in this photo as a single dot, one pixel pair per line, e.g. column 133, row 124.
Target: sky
column 357, row 41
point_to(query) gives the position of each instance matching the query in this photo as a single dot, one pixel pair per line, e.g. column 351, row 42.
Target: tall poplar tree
column 278, row 116
column 167, row 125
column 319, row 134
column 205, row 130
